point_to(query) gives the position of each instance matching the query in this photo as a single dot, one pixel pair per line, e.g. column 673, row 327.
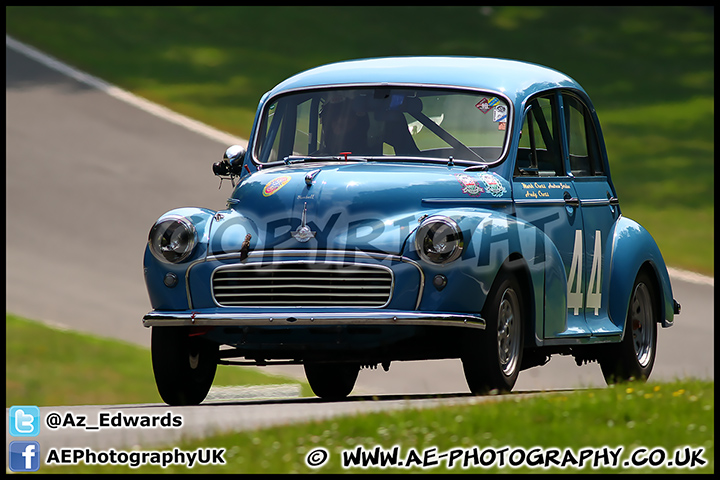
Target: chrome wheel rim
column 641, row 321
column 509, row 332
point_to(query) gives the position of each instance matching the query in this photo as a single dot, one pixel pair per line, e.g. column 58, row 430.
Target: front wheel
column 331, row 381
column 184, row 366
column 634, row 357
column 491, row 358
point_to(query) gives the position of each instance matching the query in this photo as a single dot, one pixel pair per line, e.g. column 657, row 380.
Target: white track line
column 203, row 129
column 125, row 96
column 241, row 392
column 690, row 277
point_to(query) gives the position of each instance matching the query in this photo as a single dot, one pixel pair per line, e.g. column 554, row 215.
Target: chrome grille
column 302, row 284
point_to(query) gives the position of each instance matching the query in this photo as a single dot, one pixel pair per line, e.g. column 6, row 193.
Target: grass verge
column 45, row 366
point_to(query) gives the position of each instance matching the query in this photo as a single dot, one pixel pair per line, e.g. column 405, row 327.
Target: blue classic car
column 409, row 208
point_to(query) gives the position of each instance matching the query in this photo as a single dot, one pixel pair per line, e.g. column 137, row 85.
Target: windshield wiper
column 290, row 159
column 470, row 164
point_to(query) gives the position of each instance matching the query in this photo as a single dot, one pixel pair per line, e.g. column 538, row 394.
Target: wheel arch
column 651, row 271
column 634, row 250
column 501, row 244
column 516, row 264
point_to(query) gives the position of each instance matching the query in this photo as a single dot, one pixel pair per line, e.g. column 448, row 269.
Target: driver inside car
column 345, row 128
column 349, row 127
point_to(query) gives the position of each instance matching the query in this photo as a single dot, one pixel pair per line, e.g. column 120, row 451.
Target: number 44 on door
column 574, row 286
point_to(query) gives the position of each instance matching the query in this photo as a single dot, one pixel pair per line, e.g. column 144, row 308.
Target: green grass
column 649, row 71
column 45, row 366
column 670, row 416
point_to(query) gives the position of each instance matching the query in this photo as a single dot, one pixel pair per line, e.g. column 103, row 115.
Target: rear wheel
column 491, row 358
column 634, row 357
column 331, row 381
column 184, row 366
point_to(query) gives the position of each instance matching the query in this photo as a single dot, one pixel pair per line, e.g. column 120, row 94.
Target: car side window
column 582, row 140
column 290, row 129
column 539, row 148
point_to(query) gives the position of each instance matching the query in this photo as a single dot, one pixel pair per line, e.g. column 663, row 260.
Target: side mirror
column 232, row 161
column 234, row 153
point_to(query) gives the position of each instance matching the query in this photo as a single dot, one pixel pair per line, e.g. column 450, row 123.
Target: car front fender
column 163, row 294
column 494, row 240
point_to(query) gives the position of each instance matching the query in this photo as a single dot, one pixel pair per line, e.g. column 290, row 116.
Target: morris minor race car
column 409, row 208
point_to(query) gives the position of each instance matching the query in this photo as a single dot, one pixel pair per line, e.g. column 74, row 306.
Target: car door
column 544, row 195
column 599, row 207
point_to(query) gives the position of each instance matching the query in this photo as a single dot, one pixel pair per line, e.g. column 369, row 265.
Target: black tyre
column 634, row 357
column 331, row 381
column 184, row 366
column 491, row 358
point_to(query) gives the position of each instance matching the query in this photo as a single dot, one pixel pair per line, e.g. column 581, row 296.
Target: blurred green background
column 649, row 71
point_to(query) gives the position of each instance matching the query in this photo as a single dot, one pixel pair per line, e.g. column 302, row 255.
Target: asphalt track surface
column 87, row 174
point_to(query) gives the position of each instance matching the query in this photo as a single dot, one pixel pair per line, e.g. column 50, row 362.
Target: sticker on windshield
column 485, row 104
column 274, row 185
column 500, row 113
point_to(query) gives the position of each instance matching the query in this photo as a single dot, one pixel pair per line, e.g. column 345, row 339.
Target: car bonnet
column 353, row 206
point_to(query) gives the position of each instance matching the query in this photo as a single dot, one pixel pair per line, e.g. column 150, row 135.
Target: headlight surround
column 439, row 240
column 172, row 239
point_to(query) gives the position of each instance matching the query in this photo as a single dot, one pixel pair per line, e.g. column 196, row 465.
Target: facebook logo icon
column 24, row 421
column 24, row 456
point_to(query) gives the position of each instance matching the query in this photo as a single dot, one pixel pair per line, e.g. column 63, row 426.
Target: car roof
column 516, row 79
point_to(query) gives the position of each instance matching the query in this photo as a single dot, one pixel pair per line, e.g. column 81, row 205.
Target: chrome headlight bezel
column 439, row 240
column 172, row 239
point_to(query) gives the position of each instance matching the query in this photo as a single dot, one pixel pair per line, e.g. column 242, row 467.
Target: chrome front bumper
column 311, row 318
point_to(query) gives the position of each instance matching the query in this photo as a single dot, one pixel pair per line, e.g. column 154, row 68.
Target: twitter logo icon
column 24, row 421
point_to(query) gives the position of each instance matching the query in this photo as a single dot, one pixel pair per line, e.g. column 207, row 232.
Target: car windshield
column 383, row 123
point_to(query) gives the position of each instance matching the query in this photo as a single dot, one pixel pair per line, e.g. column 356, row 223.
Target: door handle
column 570, row 200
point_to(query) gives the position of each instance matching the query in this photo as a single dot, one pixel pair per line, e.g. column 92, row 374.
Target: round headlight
column 439, row 240
column 172, row 239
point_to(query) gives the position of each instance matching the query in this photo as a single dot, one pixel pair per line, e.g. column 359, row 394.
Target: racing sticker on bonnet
column 274, row 185
column 492, row 184
column 469, row 186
